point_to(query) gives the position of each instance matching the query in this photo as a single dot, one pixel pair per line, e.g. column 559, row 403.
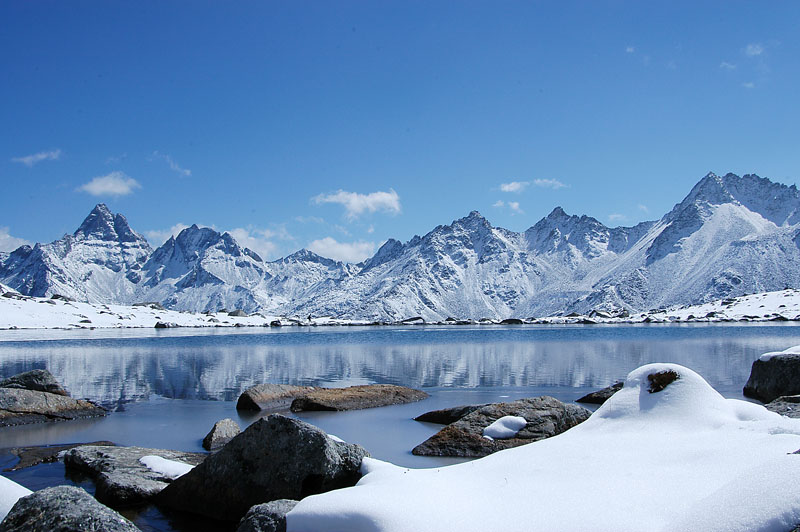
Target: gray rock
column 785, row 405
column 39, row 380
column 42, row 454
column 770, row 379
column 238, row 313
column 221, row 433
column 546, row 417
column 270, row 396
column 357, row 397
column 267, row 517
column 121, row 479
column 20, row 407
column 274, row 458
column 166, row 325
column 63, row 509
column 445, row 416
column 601, row 396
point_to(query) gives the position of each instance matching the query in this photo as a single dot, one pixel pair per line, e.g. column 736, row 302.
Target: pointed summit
column 99, row 224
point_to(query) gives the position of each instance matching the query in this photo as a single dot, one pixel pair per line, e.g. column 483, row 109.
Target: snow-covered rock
column 10, row 493
column 682, row 458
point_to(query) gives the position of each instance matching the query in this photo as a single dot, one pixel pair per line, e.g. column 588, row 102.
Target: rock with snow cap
column 774, row 374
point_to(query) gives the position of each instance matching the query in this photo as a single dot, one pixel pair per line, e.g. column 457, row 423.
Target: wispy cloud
column 555, row 184
column 616, row 217
column 643, row 208
column 499, row 204
column 514, row 186
column 356, row 204
column 116, row 159
column 158, row 237
column 10, row 243
column 630, row 50
column 259, row 240
column 183, row 172
column 309, row 219
column 727, row 66
column 754, row 49
column 343, row 251
column 113, row 184
column 30, row 160
column 749, row 85
column 513, row 206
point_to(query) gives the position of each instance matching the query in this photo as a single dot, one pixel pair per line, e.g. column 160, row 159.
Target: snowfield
column 24, row 312
column 683, row 458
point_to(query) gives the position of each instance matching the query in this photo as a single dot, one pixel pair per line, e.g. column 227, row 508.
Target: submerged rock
column 274, row 458
column 267, row 517
column 20, row 407
column 120, row 477
column 601, row 396
column 774, row 376
column 546, row 416
column 63, row 509
column 357, row 397
column 38, row 380
column 221, row 433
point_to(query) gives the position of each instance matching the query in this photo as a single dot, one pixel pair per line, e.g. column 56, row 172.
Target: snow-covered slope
column 101, row 262
column 730, row 236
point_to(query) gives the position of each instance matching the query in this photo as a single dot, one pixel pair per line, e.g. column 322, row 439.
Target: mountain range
column 730, row 236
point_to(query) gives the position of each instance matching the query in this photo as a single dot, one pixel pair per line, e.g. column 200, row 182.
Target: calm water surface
column 168, row 387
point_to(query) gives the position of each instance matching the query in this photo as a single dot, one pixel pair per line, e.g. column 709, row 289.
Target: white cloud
column 498, row 203
column 259, row 240
column 356, row 204
column 555, row 184
column 514, row 206
column 183, row 172
column 113, row 184
column 158, row 237
column 749, row 85
column 727, row 66
column 309, row 219
column 514, row 186
column 10, row 243
column 753, row 49
column 343, row 251
column 630, row 49
column 116, row 159
column 616, row 217
column 371, row 229
column 30, row 160
column 643, row 208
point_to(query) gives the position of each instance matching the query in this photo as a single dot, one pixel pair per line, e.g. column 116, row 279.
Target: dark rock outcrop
column 546, row 416
column 267, row 517
column 270, row 396
column 19, row 407
column 221, row 433
column 42, row 454
column 601, row 396
column 120, row 478
column 785, row 405
column 445, row 416
column 274, row 458
column 774, row 377
column 38, row 380
column 357, row 397
column 63, row 509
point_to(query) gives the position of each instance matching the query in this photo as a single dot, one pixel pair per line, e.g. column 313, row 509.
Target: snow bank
column 791, row 351
column 680, row 458
column 10, row 492
column 169, row 468
column 505, row 427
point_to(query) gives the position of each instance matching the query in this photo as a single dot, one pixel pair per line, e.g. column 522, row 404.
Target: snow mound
column 791, row 351
column 666, row 452
column 169, row 468
column 10, row 492
column 505, row 427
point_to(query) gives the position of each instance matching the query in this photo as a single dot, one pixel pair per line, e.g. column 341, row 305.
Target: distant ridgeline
column 730, row 236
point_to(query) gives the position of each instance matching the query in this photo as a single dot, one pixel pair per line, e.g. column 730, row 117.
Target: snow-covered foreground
column 683, row 458
column 10, row 492
column 24, row 312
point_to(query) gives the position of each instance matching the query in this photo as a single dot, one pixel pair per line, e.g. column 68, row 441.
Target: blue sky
column 337, row 125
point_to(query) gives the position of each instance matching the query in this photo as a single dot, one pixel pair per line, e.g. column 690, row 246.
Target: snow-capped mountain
column 730, row 236
column 101, row 262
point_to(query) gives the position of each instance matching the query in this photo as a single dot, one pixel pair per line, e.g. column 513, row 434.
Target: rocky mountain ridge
column 730, row 236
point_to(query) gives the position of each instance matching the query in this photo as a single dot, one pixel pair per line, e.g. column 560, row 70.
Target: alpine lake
column 166, row 388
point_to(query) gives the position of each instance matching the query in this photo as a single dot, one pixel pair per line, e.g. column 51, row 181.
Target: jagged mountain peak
column 102, row 224
column 306, row 255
